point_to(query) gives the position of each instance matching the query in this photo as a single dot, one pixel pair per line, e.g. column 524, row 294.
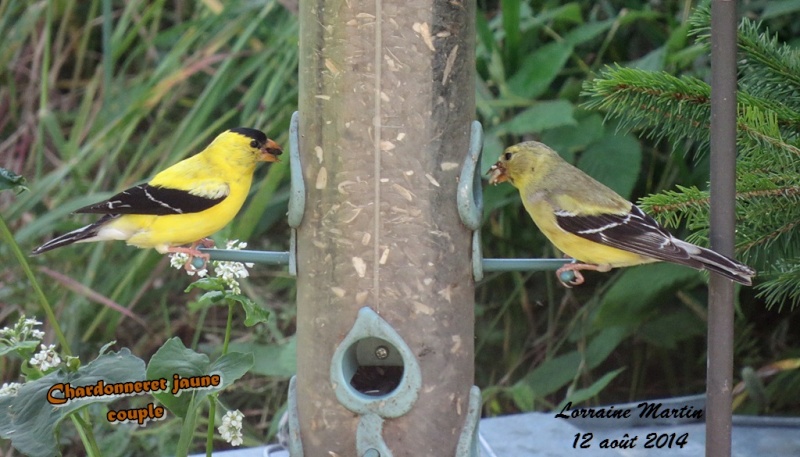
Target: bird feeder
column 384, row 271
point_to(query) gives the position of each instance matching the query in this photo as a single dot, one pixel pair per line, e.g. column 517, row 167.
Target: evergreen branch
column 772, row 141
column 783, row 286
column 680, row 106
column 787, row 191
column 768, row 238
column 779, row 63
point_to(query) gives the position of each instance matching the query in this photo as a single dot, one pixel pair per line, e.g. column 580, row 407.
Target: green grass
column 99, row 95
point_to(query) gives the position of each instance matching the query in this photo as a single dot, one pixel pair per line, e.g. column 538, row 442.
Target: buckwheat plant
column 220, row 279
column 231, row 428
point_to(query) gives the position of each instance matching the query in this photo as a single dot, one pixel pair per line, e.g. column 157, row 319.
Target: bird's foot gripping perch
column 575, row 269
column 193, row 253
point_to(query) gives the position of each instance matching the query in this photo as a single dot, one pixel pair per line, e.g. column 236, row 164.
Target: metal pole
column 386, row 102
column 723, row 195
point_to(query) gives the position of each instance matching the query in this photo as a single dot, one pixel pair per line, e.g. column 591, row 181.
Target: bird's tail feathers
column 75, row 236
column 720, row 264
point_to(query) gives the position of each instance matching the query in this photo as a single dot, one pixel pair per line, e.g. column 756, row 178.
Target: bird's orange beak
column 497, row 173
column 270, row 151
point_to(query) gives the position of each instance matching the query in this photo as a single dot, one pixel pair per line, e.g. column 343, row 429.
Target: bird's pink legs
column 576, row 268
column 193, row 252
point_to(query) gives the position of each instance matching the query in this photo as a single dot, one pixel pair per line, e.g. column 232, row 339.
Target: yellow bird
column 184, row 203
column 593, row 224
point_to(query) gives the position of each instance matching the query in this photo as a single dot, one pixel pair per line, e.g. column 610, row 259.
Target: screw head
column 381, row 352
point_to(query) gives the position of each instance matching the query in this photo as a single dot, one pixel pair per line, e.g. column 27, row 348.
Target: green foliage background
column 98, row 95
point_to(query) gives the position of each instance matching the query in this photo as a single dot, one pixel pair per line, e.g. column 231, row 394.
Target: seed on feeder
column 456, row 344
column 422, row 308
column 448, row 67
column 360, row 266
column 331, row 66
column 322, row 178
column 400, row 136
column 342, row 187
column 424, row 31
column 338, row 291
column 323, row 97
column 432, row 180
column 384, row 256
column 387, row 145
column 403, row 191
column 365, row 239
column 446, row 293
column 447, row 166
column 318, row 152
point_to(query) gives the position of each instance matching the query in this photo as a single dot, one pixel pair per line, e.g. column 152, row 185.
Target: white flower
column 178, row 259
column 10, row 389
column 229, row 272
column 235, row 245
column 231, row 428
column 23, row 330
column 46, row 358
column 30, row 323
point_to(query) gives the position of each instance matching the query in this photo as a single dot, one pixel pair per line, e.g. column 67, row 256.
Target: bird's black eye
column 507, row 156
column 255, row 144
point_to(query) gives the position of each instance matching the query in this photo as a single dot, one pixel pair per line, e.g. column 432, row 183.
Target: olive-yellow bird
column 591, row 223
column 184, row 203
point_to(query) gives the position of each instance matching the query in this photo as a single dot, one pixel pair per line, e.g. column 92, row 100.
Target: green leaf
column 604, row 343
column 541, row 116
column 175, row 358
column 511, row 22
column 19, row 346
column 588, row 31
column 232, row 366
column 539, row 69
column 661, row 330
column 652, row 61
column 569, row 139
column 492, row 148
column 582, row 395
column 559, row 371
column 614, row 160
column 775, row 9
column 279, row 360
column 627, row 300
column 31, row 422
column 523, row 396
column 11, row 181
column 207, row 283
column 254, row 313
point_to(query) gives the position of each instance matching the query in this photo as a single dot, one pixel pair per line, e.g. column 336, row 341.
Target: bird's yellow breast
column 161, row 232
column 579, row 248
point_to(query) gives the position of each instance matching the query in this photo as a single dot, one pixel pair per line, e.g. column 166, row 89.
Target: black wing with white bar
column 634, row 232
column 147, row 199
